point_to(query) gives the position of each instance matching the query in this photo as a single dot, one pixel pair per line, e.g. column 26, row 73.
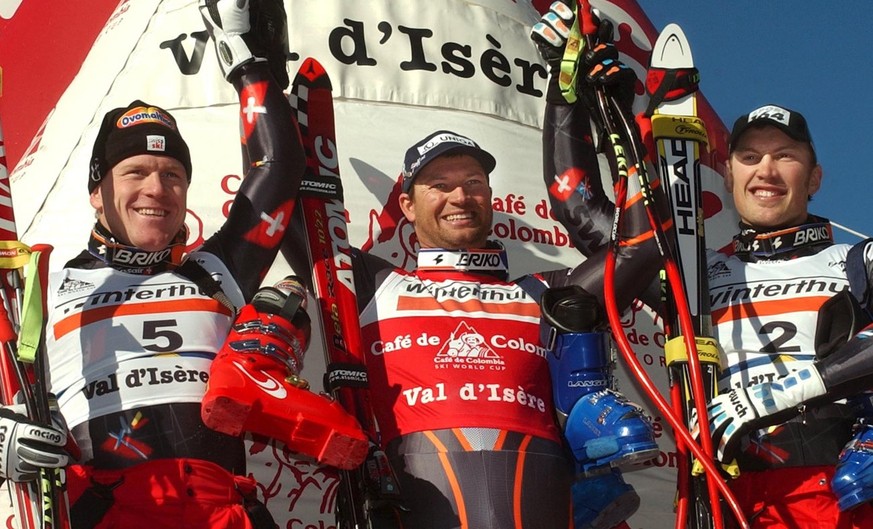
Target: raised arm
column 274, row 160
column 571, row 171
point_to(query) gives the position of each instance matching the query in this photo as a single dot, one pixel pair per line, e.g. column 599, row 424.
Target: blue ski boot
column 604, row 431
column 602, row 502
column 600, row 425
column 853, row 480
column 604, row 428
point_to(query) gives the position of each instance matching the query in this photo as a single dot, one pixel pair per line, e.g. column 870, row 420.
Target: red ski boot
column 254, row 383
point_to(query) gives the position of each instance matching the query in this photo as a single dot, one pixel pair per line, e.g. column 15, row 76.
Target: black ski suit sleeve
column 274, row 162
column 572, row 177
column 847, row 369
column 586, row 212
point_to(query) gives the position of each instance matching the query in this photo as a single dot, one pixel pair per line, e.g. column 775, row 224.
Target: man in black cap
column 138, row 182
column 459, row 379
column 783, row 317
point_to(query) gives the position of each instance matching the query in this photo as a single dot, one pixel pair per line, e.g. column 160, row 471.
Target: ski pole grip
column 42, row 268
column 588, row 25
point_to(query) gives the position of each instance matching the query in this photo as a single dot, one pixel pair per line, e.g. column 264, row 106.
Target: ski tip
column 671, row 49
column 311, row 73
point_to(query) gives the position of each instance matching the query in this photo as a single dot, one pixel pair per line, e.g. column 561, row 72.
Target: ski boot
column 255, row 385
column 601, row 426
column 853, row 480
column 603, row 429
column 603, row 501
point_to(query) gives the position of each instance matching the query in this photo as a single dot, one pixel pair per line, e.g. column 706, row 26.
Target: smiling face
column 450, row 203
column 142, row 201
column 771, row 177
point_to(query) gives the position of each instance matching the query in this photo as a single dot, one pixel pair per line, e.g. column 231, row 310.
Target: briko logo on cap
column 142, row 115
column 771, row 112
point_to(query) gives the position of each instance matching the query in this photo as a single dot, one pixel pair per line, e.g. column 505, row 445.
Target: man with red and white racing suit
column 458, row 373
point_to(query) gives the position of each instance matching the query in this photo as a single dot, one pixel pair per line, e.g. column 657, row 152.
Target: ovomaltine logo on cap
column 141, row 115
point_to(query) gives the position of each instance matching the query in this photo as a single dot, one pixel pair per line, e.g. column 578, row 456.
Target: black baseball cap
column 788, row 121
column 138, row 128
column 437, row 144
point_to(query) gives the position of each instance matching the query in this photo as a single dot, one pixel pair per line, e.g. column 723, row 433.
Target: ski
column 40, row 504
column 326, row 229
column 680, row 138
column 626, row 155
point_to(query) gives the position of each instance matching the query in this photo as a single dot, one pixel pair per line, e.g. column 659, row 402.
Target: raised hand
column 246, row 31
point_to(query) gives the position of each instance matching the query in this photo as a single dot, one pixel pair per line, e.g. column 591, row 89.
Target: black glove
column 598, row 65
column 269, row 36
column 606, row 70
column 245, row 31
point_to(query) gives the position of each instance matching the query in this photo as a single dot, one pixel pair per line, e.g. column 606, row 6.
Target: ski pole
column 33, row 507
column 636, row 368
column 32, row 349
column 677, row 140
column 609, row 109
column 686, row 324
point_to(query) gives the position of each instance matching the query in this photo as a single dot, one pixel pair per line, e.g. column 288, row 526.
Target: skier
column 787, row 470
column 134, row 322
column 473, row 437
column 783, row 316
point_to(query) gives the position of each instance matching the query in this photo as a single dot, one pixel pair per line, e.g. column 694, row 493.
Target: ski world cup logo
column 466, row 348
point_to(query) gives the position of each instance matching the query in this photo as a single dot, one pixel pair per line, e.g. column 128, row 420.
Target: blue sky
column 813, row 57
